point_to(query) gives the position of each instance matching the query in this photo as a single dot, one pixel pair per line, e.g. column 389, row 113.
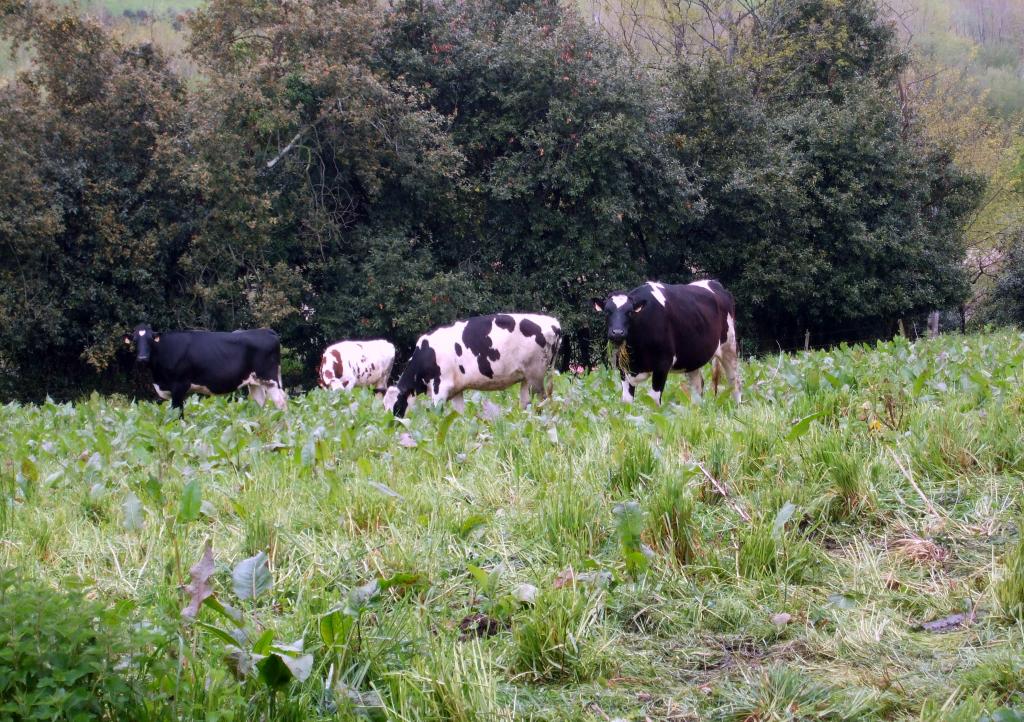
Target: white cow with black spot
column 347, row 364
column 486, row 353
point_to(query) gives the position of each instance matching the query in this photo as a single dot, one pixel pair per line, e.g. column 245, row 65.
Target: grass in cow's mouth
column 882, row 487
column 618, row 354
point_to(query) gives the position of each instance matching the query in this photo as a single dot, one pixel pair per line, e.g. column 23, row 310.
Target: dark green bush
column 58, row 656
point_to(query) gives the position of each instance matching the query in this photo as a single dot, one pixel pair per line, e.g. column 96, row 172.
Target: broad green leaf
column 251, row 577
column 273, row 671
column 442, row 428
column 221, row 634
column 300, row 666
column 225, row 610
column 802, row 425
column 921, row 379
column 471, row 524
column 191, row 501
column 336, row 627
column 483, row 579
column 263, row 642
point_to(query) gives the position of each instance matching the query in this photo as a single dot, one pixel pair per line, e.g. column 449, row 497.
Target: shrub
column 58, row 660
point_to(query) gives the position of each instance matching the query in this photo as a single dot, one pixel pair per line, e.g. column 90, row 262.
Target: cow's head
column 619, row 309
column 395, row 401
column 331, row 373
column 421, row 370
column 145, row 341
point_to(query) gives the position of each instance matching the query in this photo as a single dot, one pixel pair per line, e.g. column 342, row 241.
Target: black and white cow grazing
column 211, row 362
column 485, row 352
column 661, row 329
column 347, row 364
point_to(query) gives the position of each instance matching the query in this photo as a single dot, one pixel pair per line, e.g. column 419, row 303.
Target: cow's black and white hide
column 486, row 353
column 211, row 362
column 660, row 329
column 347, row 364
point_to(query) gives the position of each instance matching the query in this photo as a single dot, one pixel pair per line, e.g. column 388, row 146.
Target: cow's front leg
column 277, row 394
column 442, row 394
column 258, row 393
column 696, row 379
column 524, row 394
column 628, row 389
column 458, row 403
column 178, row 393
column 658, row 379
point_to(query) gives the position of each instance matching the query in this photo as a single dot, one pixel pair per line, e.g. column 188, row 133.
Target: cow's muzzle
column 142, row 359
column 616, row 335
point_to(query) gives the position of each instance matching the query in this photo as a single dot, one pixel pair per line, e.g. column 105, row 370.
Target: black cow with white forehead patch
column 211, row 362
column 485, row 352
column 660, row 329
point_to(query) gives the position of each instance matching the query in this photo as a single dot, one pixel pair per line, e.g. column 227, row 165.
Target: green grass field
column 574, row 561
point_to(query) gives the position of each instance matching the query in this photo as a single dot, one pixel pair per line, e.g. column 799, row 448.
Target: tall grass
column 860, row 492
column 560, row 638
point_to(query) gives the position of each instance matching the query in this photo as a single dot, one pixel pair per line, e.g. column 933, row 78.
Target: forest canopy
column 338, row 169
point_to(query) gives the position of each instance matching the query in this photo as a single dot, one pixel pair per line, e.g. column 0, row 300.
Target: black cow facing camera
column 660, row 329
column 211, row 362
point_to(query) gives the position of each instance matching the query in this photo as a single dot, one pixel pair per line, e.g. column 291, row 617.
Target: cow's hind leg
column 729, row 355
column 696, row 380
column 458, row 403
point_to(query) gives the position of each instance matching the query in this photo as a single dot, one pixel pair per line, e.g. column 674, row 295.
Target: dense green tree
column 341, row 169
column 90, row 214
column 315, row 168
column 570, row 187
column 827, row 210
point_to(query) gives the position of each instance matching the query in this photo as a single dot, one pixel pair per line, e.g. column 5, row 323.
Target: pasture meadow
column 843, row 544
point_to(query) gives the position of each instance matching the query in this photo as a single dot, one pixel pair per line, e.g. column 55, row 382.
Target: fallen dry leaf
column 200, row 587
column 406, row 440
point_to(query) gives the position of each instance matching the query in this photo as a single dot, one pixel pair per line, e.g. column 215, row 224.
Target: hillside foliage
column 336, row 169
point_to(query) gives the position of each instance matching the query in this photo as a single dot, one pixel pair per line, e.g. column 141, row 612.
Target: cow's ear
column 598, row 304
column 127, row 340
column 156, row 338
column 639, row 306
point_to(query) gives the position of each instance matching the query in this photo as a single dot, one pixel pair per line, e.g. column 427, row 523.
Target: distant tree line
column 343, row 169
